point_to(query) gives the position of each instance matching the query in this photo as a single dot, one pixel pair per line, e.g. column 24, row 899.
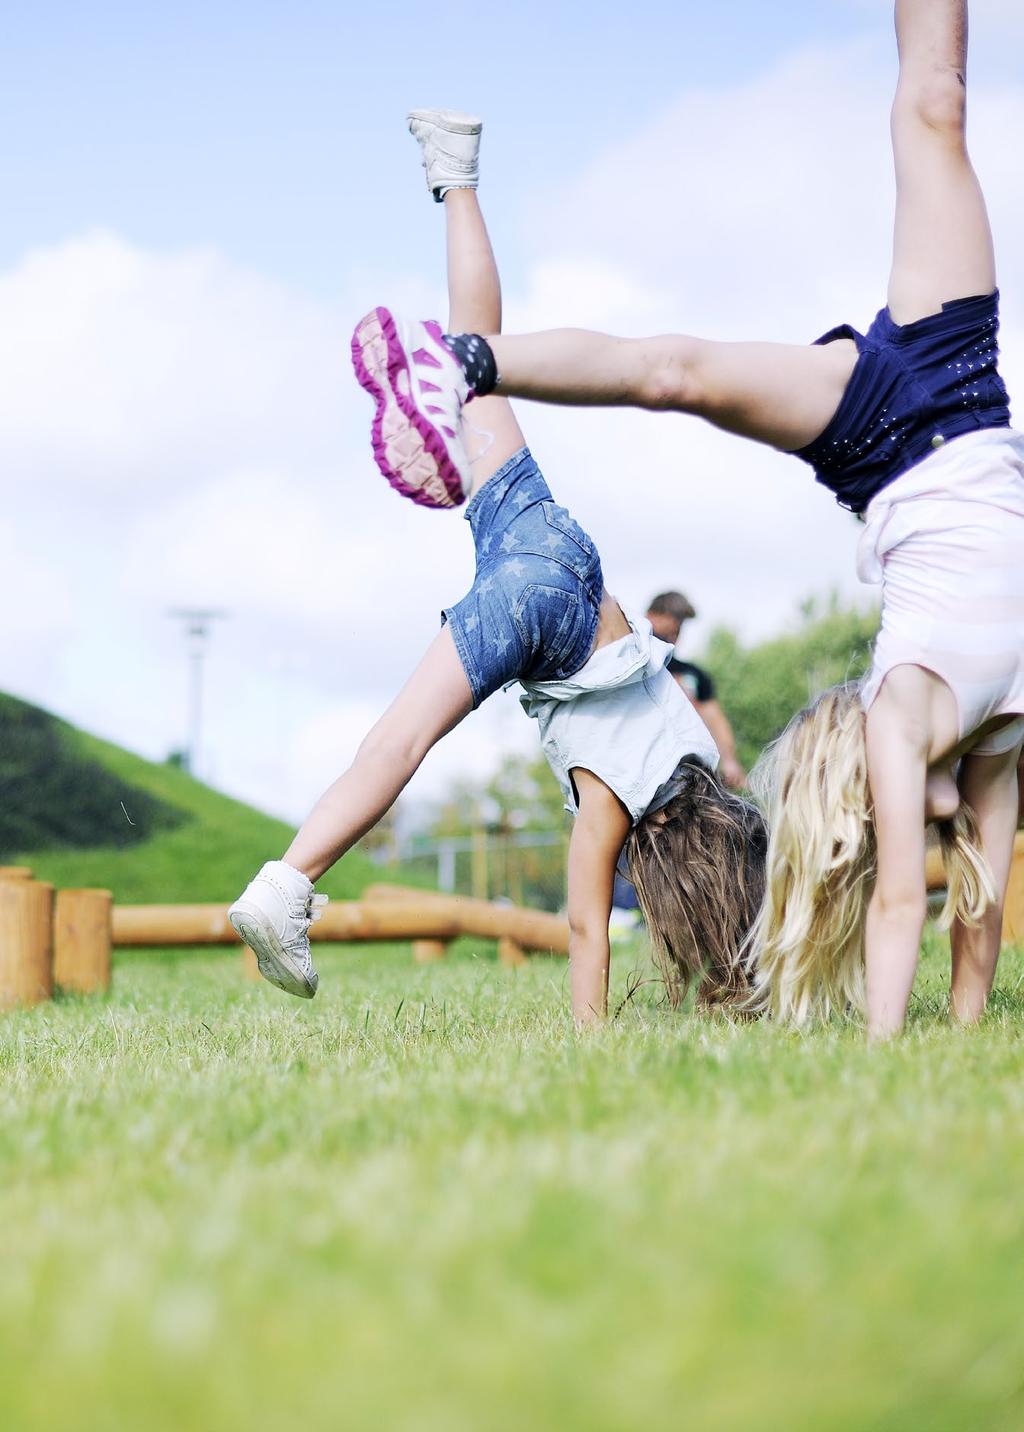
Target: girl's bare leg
column 785, row 395
column 942, row 246
column 474, row 306
column 435, row 698
column 989, row 785
column 776, row 393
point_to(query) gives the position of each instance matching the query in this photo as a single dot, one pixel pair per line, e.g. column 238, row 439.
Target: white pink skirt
column 946, row 541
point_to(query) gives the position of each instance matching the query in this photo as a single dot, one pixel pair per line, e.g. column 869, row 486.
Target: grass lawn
column 421, row 1203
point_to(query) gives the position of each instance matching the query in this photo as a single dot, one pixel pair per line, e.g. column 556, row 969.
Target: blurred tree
column 522, row 794
column 762, row 686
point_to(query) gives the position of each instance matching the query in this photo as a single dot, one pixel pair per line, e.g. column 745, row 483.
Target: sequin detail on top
column 914, row 386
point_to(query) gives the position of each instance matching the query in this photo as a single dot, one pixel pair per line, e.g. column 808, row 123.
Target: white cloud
column 176, row 430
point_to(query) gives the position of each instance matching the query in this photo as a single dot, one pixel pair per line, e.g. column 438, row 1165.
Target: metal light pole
column 197, row 622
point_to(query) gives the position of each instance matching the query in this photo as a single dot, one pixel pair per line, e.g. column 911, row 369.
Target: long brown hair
column 698, row 868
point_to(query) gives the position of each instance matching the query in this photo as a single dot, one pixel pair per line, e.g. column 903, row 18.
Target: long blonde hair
column 808, row 941
column 698, row 869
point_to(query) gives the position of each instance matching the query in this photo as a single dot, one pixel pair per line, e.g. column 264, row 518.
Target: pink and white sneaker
column 419, row 390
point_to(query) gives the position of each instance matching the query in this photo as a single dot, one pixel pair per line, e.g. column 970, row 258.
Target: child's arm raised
column 598, row 836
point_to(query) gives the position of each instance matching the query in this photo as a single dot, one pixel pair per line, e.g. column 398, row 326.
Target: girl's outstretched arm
column 435, row 698
column 897, row 739
column 597, row 839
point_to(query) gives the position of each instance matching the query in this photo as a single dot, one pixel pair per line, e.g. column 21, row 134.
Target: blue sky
column 273, row 130
column 198, row 200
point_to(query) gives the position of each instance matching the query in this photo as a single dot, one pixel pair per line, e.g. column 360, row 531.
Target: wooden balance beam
column 434, row 917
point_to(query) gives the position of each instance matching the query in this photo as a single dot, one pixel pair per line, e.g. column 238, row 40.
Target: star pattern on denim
column 553, row 540
column 485, row 586
column 472, row 622
column 501, row 644
column 553, row 566
column 521, row 500
column 515, row 567
column 508, row 543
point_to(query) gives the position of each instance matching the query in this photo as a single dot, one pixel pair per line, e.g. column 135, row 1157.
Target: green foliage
column 188, row 842
column 522, row 794
column 760, row 687
column 53, row 795
column 421, row 1203
column 525, row 794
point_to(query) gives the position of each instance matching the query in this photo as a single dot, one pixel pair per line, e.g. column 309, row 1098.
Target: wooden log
column 342, row 921
column 374, row 894
column 26, row 942
column 425, row 952
column 1013, row 913
column 533, row 929
column 250, row 965
column 15, row 872
column 441, row 917
column 510, row 954
column 81, row 940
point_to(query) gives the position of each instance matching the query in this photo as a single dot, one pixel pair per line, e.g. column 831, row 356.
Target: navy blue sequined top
column 914, row 386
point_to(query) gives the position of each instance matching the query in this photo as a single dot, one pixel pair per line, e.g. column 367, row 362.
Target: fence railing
column 526, row 867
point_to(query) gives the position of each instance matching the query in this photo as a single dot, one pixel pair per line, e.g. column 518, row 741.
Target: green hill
column 83, row 812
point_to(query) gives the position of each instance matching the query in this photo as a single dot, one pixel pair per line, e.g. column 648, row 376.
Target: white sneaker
column 451, row 148
column 419, row 389
column 273, row 915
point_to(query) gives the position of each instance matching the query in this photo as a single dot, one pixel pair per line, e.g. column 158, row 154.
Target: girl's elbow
column 900, row 905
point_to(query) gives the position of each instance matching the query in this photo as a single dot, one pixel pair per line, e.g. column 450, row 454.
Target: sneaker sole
column 275, row 964
column 407, row 447
column 447, row 119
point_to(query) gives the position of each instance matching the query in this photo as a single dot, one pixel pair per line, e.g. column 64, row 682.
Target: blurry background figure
column 666, row 614
column 1020, row 789
column 626, row 918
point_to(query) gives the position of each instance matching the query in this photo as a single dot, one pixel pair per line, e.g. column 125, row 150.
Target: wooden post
column 425, row 952
column 510, row 953
column 250, row 966
column 515, row 871
column 15, row 872
column 478, row 875
column 81, row 940
column 1013, row 911
column 26, row 942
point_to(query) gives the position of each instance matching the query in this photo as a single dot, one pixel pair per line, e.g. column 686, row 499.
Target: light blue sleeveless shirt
column 623, row 717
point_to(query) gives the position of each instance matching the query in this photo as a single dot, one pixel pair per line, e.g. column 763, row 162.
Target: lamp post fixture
column 197, row 622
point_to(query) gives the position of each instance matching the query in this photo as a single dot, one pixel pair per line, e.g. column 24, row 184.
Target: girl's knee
column 670, row 375
column 935, row 98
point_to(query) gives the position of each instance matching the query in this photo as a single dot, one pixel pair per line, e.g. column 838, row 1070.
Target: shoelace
column 315, row 907
column 300, row 944
column 480, row 433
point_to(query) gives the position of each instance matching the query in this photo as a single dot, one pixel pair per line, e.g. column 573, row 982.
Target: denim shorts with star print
column 533, row 607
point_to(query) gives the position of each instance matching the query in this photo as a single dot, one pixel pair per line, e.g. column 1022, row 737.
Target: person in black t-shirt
column 666, row 613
